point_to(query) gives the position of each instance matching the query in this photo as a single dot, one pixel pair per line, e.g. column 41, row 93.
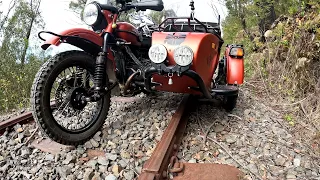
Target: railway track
column 163, row 163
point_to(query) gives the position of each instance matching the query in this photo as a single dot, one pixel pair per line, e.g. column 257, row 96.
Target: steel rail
column 22, row 119
column 156, row 167
column 164, row 161
column 27, row 116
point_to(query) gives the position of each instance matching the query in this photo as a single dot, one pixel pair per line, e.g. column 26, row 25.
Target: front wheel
column 56, row 103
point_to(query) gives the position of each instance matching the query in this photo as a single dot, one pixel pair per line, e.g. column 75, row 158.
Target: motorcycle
column 71, row 92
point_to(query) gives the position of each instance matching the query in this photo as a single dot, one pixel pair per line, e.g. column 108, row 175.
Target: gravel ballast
column 253, row 138
column 257, row 138
column 118, row 151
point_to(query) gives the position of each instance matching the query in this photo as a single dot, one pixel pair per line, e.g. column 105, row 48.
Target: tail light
column 236, row 51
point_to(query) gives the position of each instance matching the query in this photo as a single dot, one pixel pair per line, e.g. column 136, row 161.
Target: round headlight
column 157, row 53
column 90, row 14
column 183, row 55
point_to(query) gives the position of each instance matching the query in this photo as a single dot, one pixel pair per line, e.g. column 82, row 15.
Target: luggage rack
column 189, row 24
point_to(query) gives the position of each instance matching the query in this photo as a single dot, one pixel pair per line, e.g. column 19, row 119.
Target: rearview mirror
column 143, row 5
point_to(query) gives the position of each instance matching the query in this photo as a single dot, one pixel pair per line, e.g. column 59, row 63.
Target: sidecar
column 185, row 57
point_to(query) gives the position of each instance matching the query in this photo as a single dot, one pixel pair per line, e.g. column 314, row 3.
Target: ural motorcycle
column 71, row 92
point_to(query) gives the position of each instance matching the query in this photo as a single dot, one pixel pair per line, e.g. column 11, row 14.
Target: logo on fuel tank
column 175, row 39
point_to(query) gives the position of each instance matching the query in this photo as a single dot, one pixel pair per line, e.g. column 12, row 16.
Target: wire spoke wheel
column 69, row 111
column 58, row 98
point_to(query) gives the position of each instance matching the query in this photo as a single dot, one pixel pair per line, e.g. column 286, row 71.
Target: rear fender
column 235, row 69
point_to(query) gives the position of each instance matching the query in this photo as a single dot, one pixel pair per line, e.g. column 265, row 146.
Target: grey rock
column 88, row 145
column 145, row 133
column 111, row 177
column 256, row 142
column 63, row 171
column 122, row 163
column 4, row 168
column 80, row 175
column 1, row 158
column 96, row 176
column 69, row 159
column 71, row 177
column 111, row 157
column 280, row 160
column 92, row 163
column 138, row 169
column 129, row 175
column 49, row 157
column 253, row 168
column 314, row 173
column 97, row 136
column 103, row 169
column 103, row 161
column 80, row 150
column 163, row 124
column 124, row 145
column 94, row 143
column 219, row 128
column 151, row 136
column 88, row 174
column 192, row 161
column 117, row 124
column 231, row 138
column 291, row 177
column 25, row 152
column 24, row 173
column 35, row 169
column 125, row 135
column 307, row 164
column 57, row 157
column 296, row 162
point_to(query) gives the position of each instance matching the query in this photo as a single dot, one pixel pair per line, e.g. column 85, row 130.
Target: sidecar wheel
column 68, row 120
column 230, row 102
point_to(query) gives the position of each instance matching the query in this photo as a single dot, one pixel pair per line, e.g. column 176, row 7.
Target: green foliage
column 289, row 118
column 18, row 63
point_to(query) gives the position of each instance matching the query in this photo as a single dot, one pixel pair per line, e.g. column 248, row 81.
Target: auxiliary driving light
column 183, row 55
column 157, row 53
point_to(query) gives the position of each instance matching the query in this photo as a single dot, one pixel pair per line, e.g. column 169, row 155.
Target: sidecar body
column 192, row 59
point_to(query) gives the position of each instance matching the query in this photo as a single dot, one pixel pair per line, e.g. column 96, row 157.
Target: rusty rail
column 164, row 161
column 156, row 167
column 27, row 116
column 22, row 119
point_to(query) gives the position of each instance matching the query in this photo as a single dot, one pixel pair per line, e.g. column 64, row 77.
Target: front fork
column 100, row 74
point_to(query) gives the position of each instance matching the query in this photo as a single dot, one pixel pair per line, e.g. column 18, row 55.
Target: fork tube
column 100, row 69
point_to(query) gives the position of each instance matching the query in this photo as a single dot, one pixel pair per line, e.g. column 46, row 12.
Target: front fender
column 84, row 39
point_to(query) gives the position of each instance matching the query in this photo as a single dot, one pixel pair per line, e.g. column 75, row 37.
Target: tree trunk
column 26, row 43
column 267, row 19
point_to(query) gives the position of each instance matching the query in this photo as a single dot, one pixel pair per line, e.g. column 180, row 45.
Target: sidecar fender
column 235, row 71
column 84, row 39
column 234, row 68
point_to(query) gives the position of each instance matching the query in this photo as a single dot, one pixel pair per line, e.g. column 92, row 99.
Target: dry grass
column 289, row 83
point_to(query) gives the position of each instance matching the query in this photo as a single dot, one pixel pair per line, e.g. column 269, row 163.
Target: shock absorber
column 99, row 80
column 79, row 74
column 100, row 72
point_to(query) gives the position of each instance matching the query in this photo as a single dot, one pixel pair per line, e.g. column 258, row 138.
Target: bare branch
column 7, row 15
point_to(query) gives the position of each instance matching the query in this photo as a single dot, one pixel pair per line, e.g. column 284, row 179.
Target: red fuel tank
column 128, row 32
column 205, row 48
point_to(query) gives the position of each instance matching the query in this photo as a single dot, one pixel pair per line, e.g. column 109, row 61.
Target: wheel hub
column 76, row 98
